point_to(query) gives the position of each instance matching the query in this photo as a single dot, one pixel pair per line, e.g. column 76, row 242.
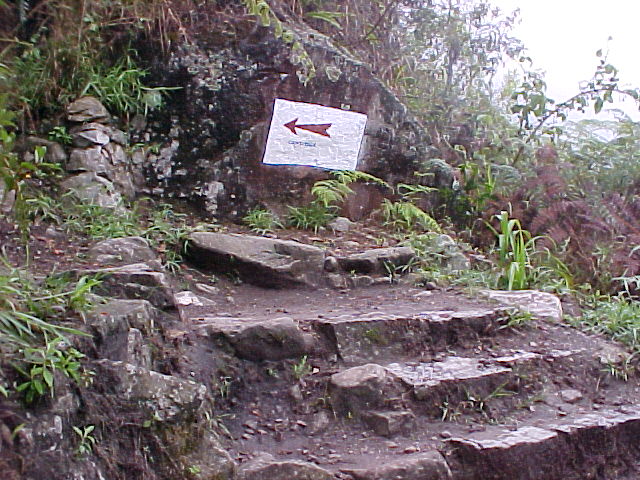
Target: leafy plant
column 310, row 217
column 120, row 87
column 59, row 134
column 14, row 172
column 301, row 369
column 25, row 308
column 517, row 319
column 331, row 192
column 405, row 216
column 42, row 362
column 86, row 441
column 261, row 221
column 167, row 233
column 514, row 248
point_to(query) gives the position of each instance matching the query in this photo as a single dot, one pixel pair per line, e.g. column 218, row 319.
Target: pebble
column 445, row 434
column 570, row 395
column 411, row 449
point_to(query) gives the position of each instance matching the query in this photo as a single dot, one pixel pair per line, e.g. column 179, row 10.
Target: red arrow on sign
column 320, row 129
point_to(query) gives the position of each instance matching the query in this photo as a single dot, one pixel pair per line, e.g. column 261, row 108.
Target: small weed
column 59, row 134
column 621, row 371
column 301, row 369
column 194, row 470
column 617, row 317
column 261, row 221
column 449, row 414
column 310, row 217
column 517, row 319
column 224, row 387
column 374, row 336
column 86, row 441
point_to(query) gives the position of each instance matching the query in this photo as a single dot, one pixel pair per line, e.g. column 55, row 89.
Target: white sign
column 309, row 134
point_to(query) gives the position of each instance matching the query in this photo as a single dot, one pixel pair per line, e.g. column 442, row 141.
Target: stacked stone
column 100, row 164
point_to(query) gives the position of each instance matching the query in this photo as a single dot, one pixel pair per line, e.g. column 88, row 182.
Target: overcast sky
column 562, row 37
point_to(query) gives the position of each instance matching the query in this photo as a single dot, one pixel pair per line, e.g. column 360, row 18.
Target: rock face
column 214, row 127
column 165, row 397
column 261, row 261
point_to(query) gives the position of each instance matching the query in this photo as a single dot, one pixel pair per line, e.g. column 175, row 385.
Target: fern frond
column 330, row 192
column 350, row 176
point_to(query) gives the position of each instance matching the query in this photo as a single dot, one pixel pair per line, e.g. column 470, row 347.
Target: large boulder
column 213, row 128
column 261, row 261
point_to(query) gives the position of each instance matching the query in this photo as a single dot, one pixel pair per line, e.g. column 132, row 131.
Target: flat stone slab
column 138, row 281
column 419, row 466
column 592, row 445
column 433, row 381
column 380, row 337
column 542, row 305
column 122, row 251
column 260, row 261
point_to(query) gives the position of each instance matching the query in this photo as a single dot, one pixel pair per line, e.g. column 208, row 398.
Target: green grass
column 615, row 317
column 310, row 217
column 261, row 221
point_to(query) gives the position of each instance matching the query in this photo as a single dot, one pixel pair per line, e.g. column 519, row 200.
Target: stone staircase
column 405, row 391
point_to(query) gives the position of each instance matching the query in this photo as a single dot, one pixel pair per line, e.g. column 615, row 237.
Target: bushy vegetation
column 553, row 204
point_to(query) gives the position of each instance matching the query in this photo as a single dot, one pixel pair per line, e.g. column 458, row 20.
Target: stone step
column 593, row 445
column 428, row 387
column 383, row 337
column 600, row 445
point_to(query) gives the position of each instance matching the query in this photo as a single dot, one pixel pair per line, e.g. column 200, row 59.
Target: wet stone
column 377, row 260
column 261, row 261
column 122, row 251
column 542, row 305
column 266, row 467
column 359, row 389
column 382, row 337
column 412, row 466
column 87, row 109
column 450, row 379
column 164, row 397
column 274, row 339
column 389, row 423
column 570, row 395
